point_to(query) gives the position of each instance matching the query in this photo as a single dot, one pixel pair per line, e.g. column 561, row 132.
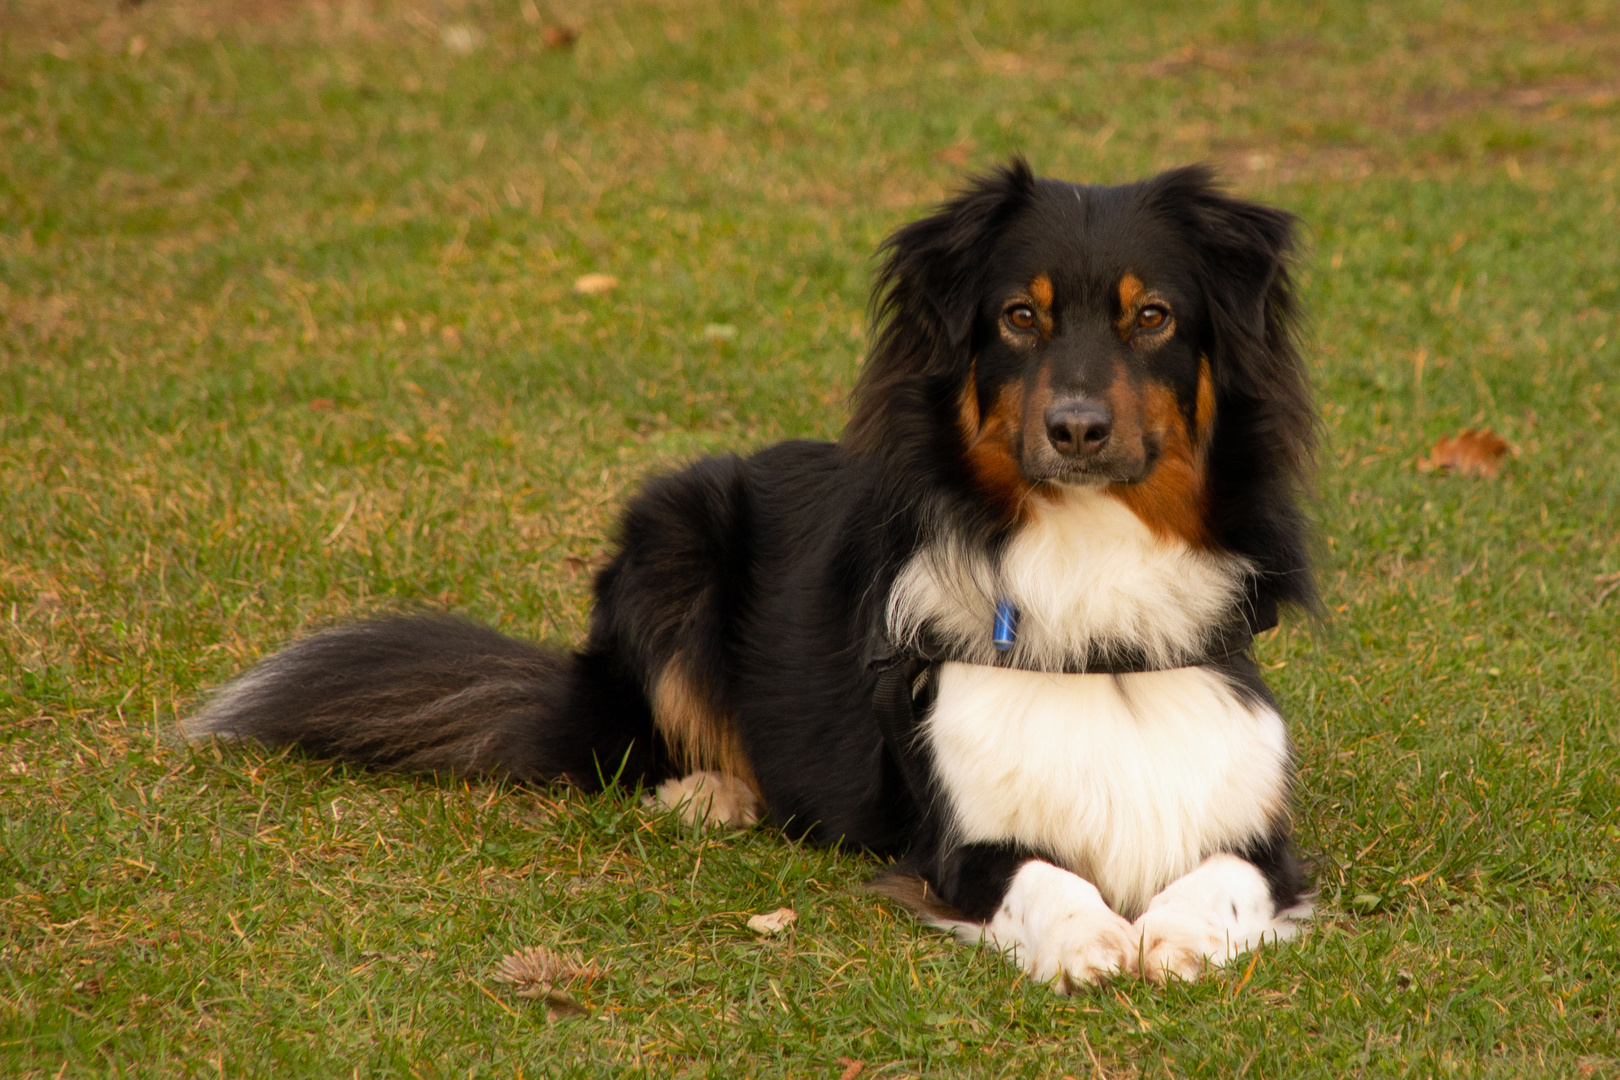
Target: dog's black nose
column 1079, row 428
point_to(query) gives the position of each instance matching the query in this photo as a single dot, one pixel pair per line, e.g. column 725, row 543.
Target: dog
column 999, row 632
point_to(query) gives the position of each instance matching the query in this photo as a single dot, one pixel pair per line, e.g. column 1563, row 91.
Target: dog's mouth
column 1132, row 465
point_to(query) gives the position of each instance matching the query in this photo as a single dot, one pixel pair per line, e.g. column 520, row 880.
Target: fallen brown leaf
column 852, row 1068
column 595, row 284
column 1470, row 452
column 958, row 153
column 773, row 923
column 560, row 37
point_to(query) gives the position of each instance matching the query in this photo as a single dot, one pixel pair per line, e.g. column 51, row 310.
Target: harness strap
column 895, row 706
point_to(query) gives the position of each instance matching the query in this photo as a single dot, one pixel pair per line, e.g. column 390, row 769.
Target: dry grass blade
column 1607, row 584
column 595, row 284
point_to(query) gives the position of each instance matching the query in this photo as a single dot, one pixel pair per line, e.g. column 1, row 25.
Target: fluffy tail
column 436, row 693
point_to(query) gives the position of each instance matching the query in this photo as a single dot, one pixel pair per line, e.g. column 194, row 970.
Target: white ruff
column 1129, row 781
column 1085, row 574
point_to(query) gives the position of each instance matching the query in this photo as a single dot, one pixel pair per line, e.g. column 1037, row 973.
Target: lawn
column 289, row 333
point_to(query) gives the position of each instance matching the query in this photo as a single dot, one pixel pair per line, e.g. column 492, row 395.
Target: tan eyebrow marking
column 1041, row 290
column 1041, row 293
column 1133, row 297
column 1130, row 291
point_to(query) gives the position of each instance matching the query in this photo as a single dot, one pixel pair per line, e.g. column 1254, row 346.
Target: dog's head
column 1135, row 338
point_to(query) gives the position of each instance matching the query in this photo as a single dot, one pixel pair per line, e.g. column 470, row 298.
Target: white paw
column 1082, row 950
column 1059, row 929
column 1179, row 944
column 710, row 798
column 1219, row 911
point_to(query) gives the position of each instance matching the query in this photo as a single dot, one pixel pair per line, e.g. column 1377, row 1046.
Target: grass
column 287, row 334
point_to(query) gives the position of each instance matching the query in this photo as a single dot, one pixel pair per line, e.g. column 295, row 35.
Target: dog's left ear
column 1244, row 251
column 1265, row 424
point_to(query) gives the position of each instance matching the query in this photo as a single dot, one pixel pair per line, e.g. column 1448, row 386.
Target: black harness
column 908, row 680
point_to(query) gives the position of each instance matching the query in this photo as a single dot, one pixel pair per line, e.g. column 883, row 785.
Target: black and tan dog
column 1000, row 630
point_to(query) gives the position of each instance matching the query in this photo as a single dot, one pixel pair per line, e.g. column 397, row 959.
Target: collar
column 1231, row 639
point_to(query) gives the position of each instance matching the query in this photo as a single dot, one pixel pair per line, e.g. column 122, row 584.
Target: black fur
column 768, row 575
column 436, row 693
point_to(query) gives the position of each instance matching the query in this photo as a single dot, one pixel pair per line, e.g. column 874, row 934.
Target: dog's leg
column 710, row 798
column 1219, row 910
column 1058, row 928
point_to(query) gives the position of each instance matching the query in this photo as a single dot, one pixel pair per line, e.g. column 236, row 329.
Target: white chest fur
column 1085, row 574
column 1127, row 780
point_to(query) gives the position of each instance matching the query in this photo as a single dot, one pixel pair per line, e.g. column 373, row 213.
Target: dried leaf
column 595, row 284
column 1470, row 452
column 555, row 1000
column 560, row 37
column 538, row 973
column 774, row 923
column 958, row 153
column 541, row 964
column 462, row 39
column 852, row 1068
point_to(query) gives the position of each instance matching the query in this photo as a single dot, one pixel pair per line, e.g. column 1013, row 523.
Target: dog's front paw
column 1221, row 909
column 1178, row 943
column 1060, row 930
column 1083, row 949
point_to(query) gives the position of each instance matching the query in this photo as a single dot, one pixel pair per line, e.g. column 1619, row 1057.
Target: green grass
column 287, row 334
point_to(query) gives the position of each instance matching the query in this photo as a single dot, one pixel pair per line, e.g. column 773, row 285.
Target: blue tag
column 1006, row 629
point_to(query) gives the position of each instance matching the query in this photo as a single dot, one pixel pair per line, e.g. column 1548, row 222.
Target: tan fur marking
column 992, row 441
column 1172, row 501
column 967, row 416
column 1130, row 293
column 914, row 894
column 698, row 736
column 1041, row 291
column 1204, row 413
column 1133, row 297
column 1040, row 296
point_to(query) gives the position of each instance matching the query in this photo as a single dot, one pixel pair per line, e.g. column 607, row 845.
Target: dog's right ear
column 933, row 270
column 926, row 295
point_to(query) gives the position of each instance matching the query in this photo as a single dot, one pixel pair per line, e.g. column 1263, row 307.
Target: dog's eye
column 1020, row 317
column 1152, row 317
